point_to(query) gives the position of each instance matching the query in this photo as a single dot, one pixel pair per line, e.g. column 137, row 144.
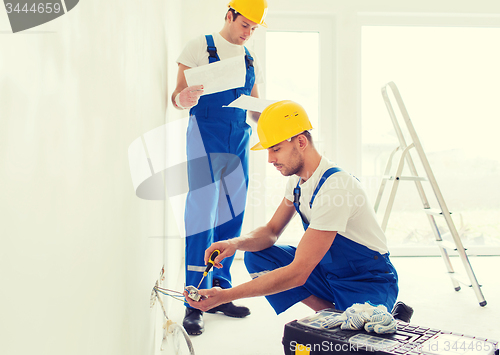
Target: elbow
column 300, row 279
column 272, row 240
column 298, row 274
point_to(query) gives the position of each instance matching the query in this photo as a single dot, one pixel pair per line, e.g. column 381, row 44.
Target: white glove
column 367, row 316
column 188, row 97
column 381, row 322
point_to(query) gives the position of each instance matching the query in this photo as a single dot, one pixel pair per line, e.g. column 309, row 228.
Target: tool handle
column 214, row 254
column 211, row 261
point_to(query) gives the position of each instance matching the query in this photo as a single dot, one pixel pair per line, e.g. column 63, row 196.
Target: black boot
column 193, row 321
column 402, row 312
column 229, row 309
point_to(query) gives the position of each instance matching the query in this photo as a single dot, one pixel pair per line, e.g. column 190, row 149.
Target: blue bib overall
column 348, row 273
column 217, row 174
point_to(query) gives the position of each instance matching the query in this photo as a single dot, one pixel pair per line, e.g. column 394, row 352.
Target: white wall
column 77, row 257
column 174, row 244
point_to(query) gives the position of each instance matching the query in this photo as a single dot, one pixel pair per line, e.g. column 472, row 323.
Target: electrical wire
column 167, row 290
column 160, row 290
column 175, row 328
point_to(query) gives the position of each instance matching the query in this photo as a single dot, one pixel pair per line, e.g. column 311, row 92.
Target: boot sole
column 194, row 333
column 227, row 314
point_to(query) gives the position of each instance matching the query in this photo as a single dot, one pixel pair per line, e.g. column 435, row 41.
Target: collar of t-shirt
column 226, row 49
column 314, row 179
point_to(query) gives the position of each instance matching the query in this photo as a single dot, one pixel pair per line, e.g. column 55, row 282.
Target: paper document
column 218, row 76
column 251, row 103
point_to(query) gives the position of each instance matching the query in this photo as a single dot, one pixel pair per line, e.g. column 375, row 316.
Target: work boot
column 193, row 321
column 229, row 309
column 402, row 312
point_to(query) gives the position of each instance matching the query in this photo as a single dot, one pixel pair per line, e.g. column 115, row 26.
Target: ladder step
column 407, row 178
column 459, row 278
column 434, row 211
column 447, row 245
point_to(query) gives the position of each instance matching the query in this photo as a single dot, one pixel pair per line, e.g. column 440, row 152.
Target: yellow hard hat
column 279, row 122
column 254, row 10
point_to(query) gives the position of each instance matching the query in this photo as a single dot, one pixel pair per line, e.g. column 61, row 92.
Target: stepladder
column 394, row 176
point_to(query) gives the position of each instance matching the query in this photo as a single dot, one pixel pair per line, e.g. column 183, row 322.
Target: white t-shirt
column 195, row 53
column 341, row 205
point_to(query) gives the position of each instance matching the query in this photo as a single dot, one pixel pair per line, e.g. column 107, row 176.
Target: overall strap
column 296, row 203
column 248, row 58
column 325, row 176
column 211, row 49
column 297, row 192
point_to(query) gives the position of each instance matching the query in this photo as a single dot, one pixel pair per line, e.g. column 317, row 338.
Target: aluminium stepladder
column 442, row 211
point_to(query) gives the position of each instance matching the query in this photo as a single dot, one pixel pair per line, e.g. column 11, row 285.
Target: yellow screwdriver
column 211, row 262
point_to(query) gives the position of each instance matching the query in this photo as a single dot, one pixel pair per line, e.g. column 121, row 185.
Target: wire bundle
column 171, row 293
column 172, row 328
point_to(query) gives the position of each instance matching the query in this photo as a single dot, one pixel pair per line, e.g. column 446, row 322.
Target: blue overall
column 217, row 175
column 349, row 272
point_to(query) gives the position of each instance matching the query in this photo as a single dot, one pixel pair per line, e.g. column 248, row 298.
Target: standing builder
column 225, row 141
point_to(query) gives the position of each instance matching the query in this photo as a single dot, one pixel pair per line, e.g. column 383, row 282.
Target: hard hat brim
column 258, row 146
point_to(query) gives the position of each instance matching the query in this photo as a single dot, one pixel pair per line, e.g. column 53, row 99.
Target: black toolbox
column 307, row 337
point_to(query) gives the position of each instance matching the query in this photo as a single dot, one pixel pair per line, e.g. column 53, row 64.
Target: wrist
column 234, row 242
column 177, row 102
column 227, row 295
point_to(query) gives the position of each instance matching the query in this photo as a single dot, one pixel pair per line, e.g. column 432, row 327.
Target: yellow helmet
column 254, row 10
column 279, row 122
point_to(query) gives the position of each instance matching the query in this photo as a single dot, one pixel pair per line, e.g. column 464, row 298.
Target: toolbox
column 307, row 336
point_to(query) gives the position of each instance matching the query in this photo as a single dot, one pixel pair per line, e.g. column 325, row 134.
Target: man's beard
column 297, row 162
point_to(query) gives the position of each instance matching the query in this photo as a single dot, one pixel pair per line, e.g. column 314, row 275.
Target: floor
column 423, row 284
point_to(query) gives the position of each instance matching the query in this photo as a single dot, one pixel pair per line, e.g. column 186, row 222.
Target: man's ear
column 303, row 141
column 230, row 16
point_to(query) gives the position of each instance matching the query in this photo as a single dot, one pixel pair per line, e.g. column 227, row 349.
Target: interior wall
column 174, row 241
column 78, row 254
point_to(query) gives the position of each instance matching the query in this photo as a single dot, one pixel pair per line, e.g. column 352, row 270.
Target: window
column 297, row 61
column 448, row 78
column 292, row 73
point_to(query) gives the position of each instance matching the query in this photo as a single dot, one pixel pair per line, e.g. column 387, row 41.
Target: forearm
column 278, row 280
column 275, row 281
column 180, row 98
column 257, row 240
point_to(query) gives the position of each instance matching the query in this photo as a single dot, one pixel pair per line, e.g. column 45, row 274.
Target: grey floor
column 423, row 284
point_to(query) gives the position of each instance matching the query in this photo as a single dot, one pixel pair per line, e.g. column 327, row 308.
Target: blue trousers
column 217, row 152
column 218, row 181
column 349, row 273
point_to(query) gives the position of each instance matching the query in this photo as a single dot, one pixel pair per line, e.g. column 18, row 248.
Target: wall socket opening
column 158, row 283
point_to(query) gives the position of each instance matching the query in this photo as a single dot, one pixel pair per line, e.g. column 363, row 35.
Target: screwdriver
column 211, row 261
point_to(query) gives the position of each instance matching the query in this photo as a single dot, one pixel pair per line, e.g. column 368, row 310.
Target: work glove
column 358, row 316
column 188, row 97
